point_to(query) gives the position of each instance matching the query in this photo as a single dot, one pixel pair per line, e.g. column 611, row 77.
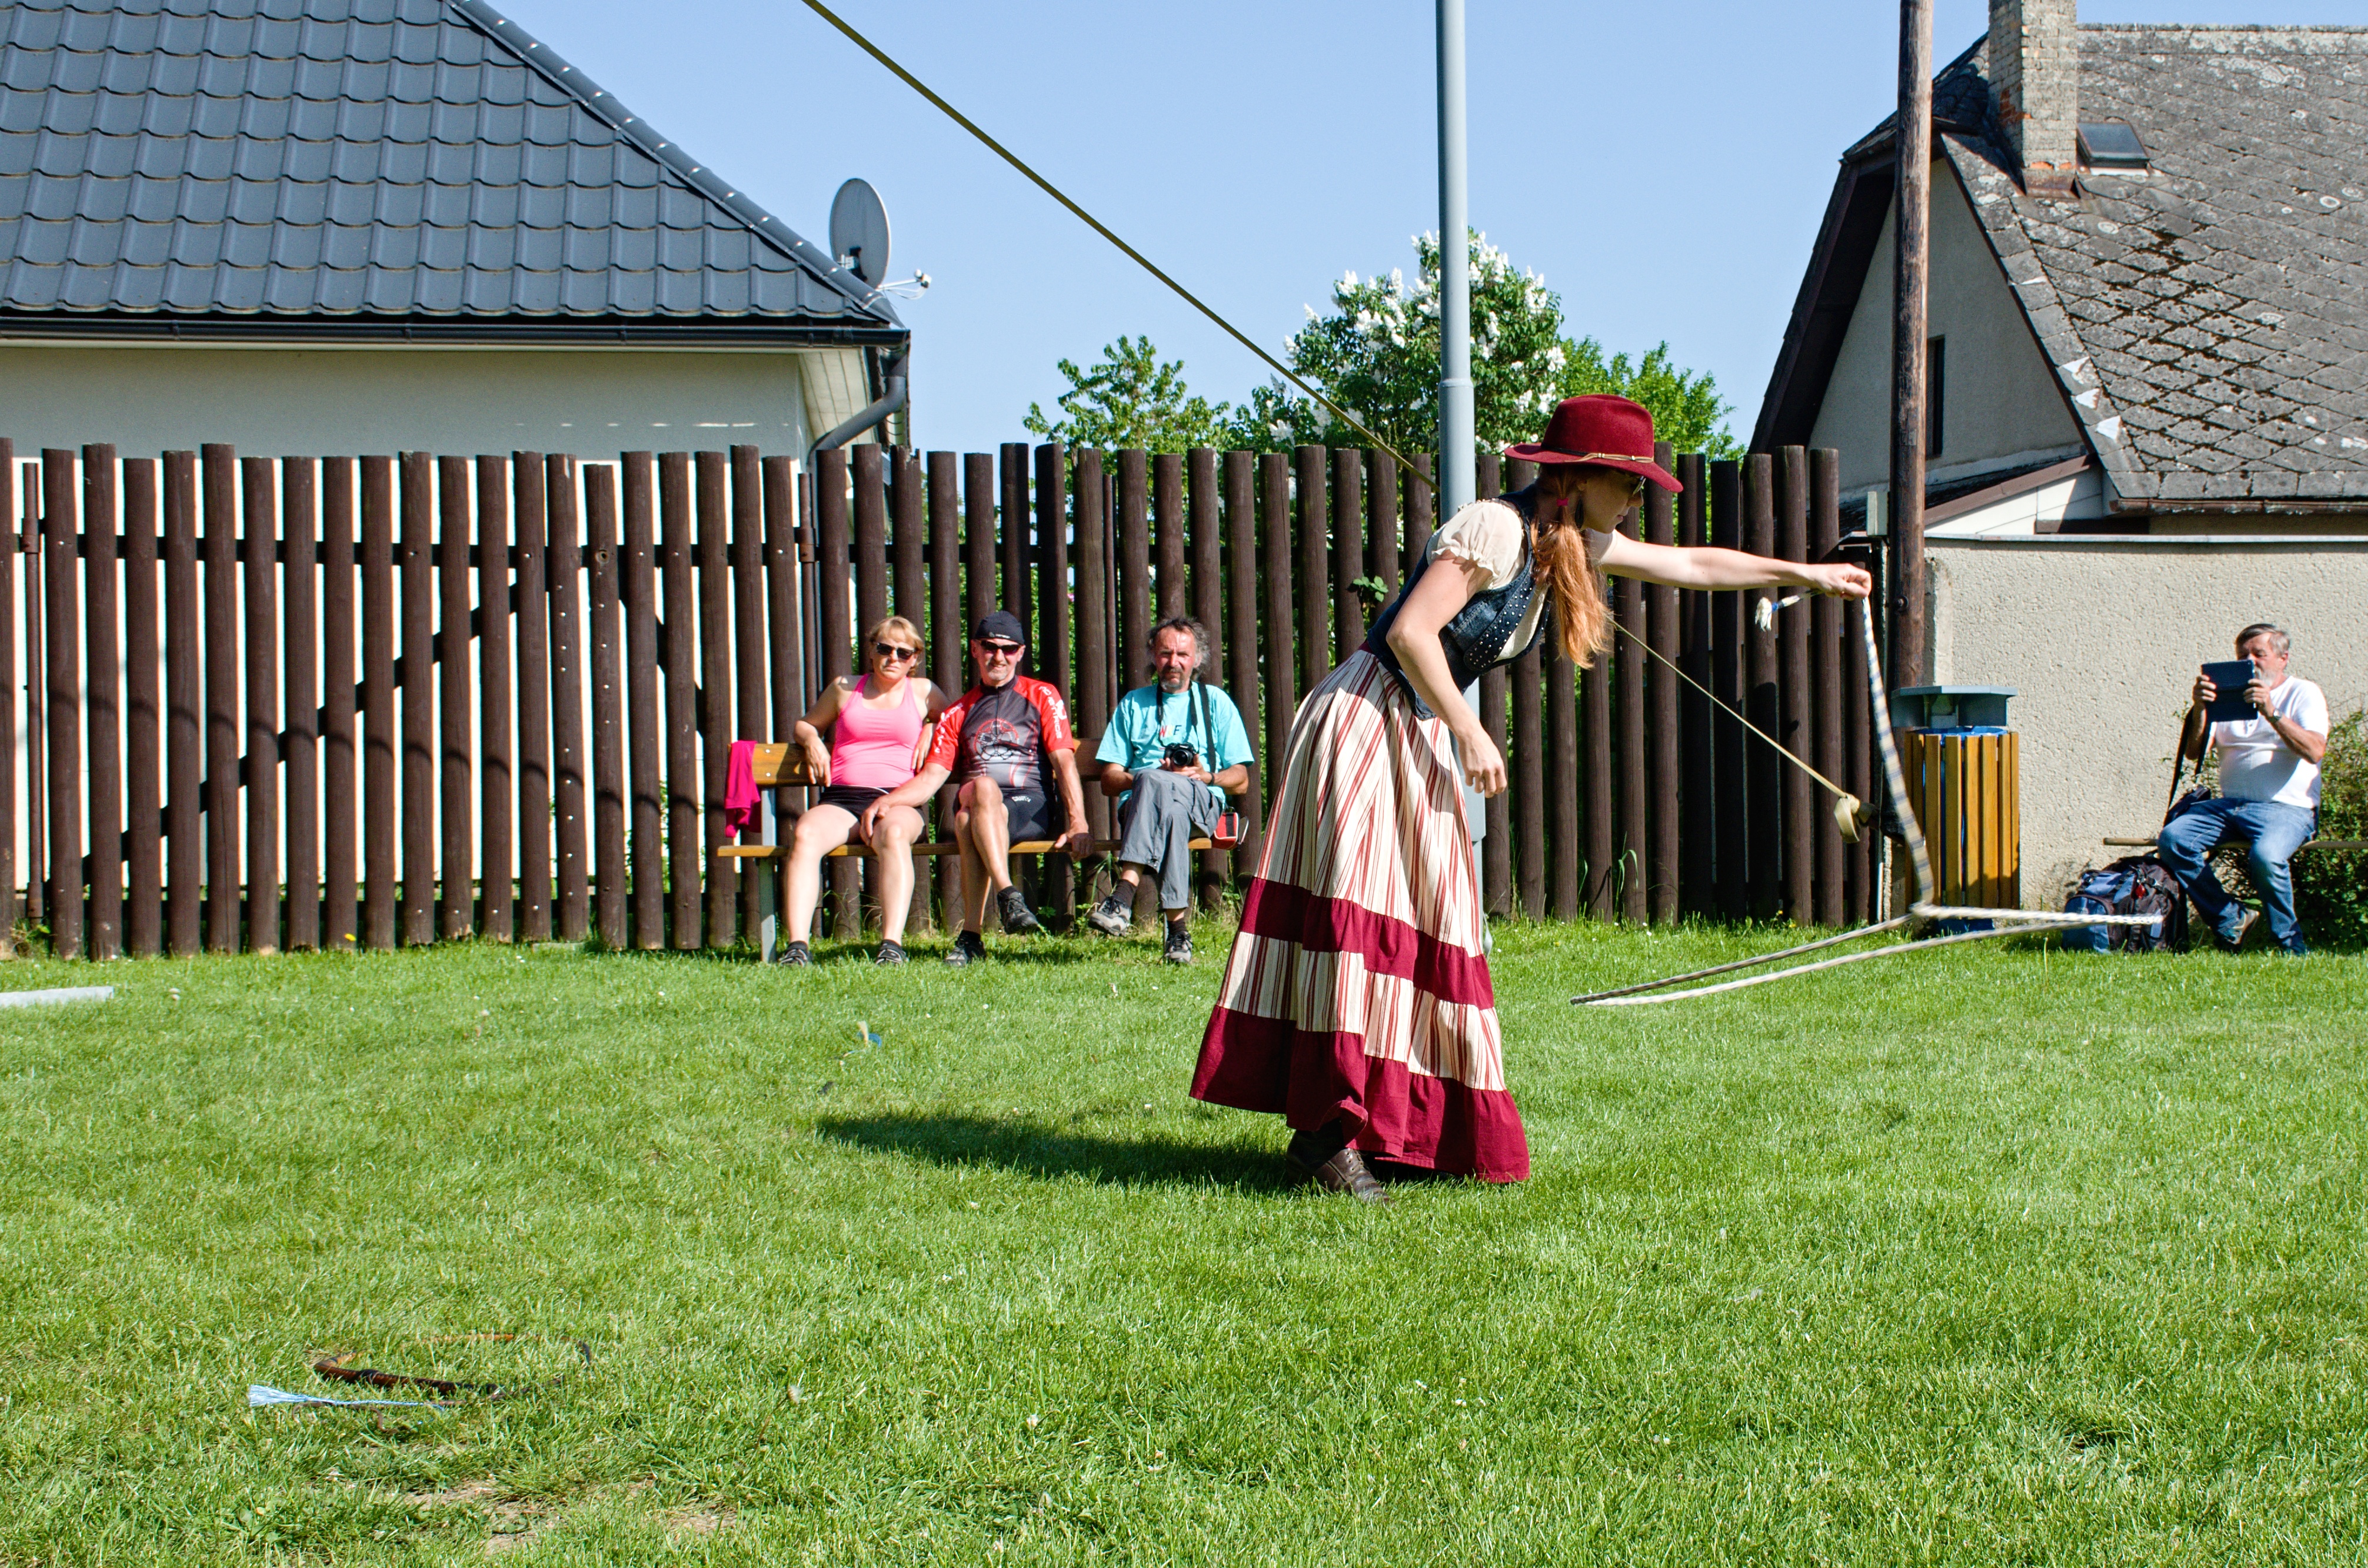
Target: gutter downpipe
column 877, row 412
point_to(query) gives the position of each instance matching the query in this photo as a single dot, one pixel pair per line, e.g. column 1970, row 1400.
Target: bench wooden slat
column 1027, row 847
column 778, row 764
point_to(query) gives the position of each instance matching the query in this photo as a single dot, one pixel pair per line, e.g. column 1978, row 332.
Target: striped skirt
column 1357, row 989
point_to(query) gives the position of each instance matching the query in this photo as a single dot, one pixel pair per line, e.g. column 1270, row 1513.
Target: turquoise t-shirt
column 1148, row 721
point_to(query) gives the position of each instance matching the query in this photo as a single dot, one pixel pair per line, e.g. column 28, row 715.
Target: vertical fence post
column 1697, row 789
column 62, row 699
column 1825, row 662
column 1134, row 571
column 643, row 687
column 12, row 545
column 715, row 692
column 1595, row 799
column 221, row 696
column 532, row 519
column 978, row 533
column 1055, row 651
column 497, row 776
column 1628, row 676
column 1315, row 523
column 456, row 903
column 341, row 814
column 381, row 808
column 1242, row 643
column 36, row 686
column 909, row 547
column 416, row 566
column 1763, row 787
column 1497, row 836
column 609, row 872
column 184, row 723
column 1421, row 503
column 1527, row 775
column 679, row 657
column 1206, row 604
column 1381, row 506
column 300, row 531
column 1661, row 767
column 564, row 564
column 1725, row 613
column 1171, row 592
column 833, row 614
column 102, row 701
column 143, row 712
column 749, row 657
column 1093, row 692
column 1011, row 514
column 1565, row 879
column 948, row 632
column 1793, row 690
column 259, row 551
column 1348, row 551
column 1279, row 689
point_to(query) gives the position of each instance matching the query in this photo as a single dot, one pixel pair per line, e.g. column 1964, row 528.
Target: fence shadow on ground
column 1034, row 1149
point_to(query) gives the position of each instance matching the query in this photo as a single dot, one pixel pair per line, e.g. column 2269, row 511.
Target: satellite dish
column 859, row 232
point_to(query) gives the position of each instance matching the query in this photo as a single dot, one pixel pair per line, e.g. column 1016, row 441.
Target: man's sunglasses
column 1007, row 650
column 890, row 651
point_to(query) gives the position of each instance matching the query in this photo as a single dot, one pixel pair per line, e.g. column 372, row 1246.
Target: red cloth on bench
column 740, row 797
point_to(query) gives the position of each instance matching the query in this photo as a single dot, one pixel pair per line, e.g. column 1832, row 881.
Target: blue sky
column 1664, row 168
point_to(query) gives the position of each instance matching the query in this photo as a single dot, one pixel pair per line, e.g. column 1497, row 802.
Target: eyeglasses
column 1001, row 649
column 890, row 651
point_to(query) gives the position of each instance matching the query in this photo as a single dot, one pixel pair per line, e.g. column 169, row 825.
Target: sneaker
column 1180, row 945
column 1018, row 920
column 1112, row 916
column 890, row 952
column 966, row 947
column 2234, row 941
column 797, row 955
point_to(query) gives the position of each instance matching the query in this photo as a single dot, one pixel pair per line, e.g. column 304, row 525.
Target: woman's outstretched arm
column 1697, row 566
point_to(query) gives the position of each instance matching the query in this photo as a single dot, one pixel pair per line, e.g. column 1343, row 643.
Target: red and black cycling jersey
column 1003, row 734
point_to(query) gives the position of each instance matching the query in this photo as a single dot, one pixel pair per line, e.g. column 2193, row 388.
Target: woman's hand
column 817, row 754
column 1838, row 580
column 1484, row 764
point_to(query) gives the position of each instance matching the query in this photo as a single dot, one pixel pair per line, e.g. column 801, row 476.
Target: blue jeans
column 2271, row 833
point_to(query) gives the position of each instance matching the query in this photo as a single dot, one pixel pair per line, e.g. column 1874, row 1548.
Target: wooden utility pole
column 1910, row 254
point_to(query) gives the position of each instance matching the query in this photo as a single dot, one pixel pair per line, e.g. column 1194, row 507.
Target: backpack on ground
column 2137, row 885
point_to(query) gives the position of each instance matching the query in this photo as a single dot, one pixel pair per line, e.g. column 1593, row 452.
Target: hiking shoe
column 2234, row 941
column 890, row 952
column 1018, row 920
column 1112, row 916
column 1180, row 945
column 797, row 955
column 966, row 947
column 1343, row 1170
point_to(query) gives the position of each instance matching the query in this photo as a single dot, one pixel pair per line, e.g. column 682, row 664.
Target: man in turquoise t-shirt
column 1165, row 802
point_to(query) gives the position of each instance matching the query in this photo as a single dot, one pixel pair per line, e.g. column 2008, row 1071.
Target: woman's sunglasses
column 890, row 651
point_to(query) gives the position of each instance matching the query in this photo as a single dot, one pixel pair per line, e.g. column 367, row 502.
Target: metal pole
column 1911, row 235
column 1456, row 480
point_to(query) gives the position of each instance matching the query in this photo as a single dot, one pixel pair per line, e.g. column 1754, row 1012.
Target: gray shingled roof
column 2210, row 320
column 362, row 162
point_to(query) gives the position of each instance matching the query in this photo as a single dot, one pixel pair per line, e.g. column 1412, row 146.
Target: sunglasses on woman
column 890, row 651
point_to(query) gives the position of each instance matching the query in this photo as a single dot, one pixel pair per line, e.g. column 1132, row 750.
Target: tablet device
column 2230, row 678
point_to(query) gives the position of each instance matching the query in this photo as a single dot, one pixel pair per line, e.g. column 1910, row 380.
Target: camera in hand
column 1179, row 756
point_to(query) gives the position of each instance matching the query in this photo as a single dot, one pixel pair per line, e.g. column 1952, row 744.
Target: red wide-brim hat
column 1602, row 428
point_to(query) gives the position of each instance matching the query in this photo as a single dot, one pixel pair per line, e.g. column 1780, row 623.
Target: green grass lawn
column 1976, row 1255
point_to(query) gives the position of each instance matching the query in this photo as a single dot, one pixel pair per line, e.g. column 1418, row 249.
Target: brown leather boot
column 1333, row 1165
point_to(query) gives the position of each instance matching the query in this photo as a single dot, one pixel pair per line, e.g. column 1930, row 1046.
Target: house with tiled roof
column 2147, row 380
column 322, row 226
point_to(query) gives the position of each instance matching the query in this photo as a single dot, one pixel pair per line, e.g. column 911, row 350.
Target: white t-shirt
column 2255, row 764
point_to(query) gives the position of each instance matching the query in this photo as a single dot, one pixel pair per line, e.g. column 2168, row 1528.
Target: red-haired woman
column 1356, row 1002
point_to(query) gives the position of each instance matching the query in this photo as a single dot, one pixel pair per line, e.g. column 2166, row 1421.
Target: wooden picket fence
column 362, row 703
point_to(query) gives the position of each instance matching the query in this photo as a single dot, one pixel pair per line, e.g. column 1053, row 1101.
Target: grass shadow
column 1036, row 1150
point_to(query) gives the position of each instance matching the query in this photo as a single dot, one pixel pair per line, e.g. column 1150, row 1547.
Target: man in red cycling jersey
column 998, row 741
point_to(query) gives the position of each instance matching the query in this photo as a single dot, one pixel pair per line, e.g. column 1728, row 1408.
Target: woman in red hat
column 1356, row 1002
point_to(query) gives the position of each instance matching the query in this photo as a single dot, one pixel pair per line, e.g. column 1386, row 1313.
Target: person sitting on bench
column 2269, row 792
column 998, row 741
column 875, row 725
column 1168, row 798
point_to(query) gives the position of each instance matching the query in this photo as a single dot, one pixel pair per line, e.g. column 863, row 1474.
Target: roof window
column 2110, row 146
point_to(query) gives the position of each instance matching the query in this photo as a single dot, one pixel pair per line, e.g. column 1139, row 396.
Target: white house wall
column 338, row 402
column 2101, row 637
column 1999, row 402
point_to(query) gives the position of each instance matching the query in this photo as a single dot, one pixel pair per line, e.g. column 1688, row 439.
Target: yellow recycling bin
column 1963, row 782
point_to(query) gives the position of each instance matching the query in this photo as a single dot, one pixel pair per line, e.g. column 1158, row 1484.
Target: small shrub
column 2331, row 886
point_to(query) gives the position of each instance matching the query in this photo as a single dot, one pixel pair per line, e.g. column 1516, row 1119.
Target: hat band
column 1605, row 457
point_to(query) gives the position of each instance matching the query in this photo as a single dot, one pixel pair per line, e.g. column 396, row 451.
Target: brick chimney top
column 2034, row 59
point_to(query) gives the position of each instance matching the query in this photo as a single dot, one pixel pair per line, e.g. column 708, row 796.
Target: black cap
column 999, row 626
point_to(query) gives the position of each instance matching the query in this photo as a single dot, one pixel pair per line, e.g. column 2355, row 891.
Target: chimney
column 2034, row 57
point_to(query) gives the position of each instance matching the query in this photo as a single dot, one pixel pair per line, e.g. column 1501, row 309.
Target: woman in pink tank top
column 875, row 725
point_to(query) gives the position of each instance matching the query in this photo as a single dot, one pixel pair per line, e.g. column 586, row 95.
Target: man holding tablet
column 2268, row 789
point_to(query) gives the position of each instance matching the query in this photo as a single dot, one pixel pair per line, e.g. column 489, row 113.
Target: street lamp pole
column 1456, row 477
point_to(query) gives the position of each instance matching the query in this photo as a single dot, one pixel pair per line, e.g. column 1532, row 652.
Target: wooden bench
column 778, row 766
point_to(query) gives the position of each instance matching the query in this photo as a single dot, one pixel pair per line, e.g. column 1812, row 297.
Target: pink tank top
column 872, row 749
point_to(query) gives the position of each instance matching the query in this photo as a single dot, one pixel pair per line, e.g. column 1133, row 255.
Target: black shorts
column 849, row 798
column 1031, row 815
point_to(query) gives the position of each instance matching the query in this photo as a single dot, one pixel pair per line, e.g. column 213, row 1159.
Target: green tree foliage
column 1132, row 400
column 2331, row 885
column 1377, row 356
